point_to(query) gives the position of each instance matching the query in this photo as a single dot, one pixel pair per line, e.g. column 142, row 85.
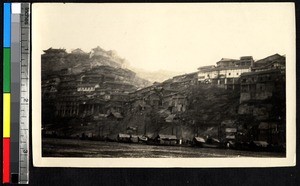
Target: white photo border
column 289, row 160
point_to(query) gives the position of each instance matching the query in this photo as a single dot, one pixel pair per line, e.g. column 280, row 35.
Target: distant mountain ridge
column 155, row 76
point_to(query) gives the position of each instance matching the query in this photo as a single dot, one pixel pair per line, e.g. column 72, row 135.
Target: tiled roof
column 266, row 59
column 227, row 59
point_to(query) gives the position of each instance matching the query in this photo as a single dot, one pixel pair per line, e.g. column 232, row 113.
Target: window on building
column 229, row 73
column 237, row 73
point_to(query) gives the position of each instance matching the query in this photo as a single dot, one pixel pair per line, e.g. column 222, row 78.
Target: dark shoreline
column 53, row 147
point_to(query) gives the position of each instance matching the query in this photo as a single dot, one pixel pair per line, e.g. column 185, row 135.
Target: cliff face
column 262, row 100
column 197, row 112
column 206, row 107
column 60, row 62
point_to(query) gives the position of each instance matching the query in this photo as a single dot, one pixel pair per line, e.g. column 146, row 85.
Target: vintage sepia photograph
column 172, row 85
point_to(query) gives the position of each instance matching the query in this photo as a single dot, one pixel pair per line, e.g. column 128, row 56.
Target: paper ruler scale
column 24, row 95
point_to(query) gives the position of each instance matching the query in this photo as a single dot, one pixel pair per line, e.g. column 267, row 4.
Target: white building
column 226, row 73
column 207, row 73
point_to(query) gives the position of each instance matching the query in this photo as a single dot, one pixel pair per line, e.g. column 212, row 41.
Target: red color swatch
column 6, row 160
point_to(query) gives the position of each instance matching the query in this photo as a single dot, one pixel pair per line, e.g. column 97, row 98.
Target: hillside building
column 275, row 61
column 226, row 73
column 260, row 85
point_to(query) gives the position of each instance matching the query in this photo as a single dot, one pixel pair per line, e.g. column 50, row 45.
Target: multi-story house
column 226, row 73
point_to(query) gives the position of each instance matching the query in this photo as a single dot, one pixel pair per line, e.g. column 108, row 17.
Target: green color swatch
column 6, row 70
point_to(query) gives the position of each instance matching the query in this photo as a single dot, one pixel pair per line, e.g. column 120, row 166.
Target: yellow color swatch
column 6, row 115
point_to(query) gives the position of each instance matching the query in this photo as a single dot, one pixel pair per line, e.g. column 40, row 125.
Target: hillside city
column 95, row 96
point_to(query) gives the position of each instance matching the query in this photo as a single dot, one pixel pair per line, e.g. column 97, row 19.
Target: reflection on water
column 82, row 148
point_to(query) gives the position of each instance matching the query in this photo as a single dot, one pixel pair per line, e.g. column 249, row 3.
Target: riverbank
column 52, row 147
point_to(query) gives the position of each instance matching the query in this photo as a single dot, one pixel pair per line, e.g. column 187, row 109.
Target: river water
column 52, row 147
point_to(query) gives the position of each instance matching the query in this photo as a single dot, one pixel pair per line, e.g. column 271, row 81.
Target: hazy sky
column 175, row 37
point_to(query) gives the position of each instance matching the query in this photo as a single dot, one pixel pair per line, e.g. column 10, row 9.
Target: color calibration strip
column 6, row 91
column 16, row 65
